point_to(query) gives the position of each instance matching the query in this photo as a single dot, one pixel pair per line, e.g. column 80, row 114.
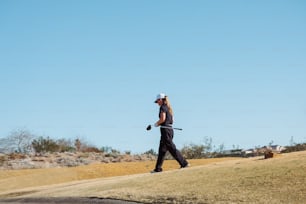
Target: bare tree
column 220, row 149
column 18, row 141
column 5, row 145
column 208, row 144
column 292, row 143
column 77, row 144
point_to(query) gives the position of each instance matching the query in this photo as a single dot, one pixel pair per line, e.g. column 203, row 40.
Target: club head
column 149, row 127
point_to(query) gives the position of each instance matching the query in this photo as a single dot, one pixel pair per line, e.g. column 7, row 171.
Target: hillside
column 23, row 178
column 253, row 180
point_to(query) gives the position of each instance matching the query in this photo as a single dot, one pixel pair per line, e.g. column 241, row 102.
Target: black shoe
column 187, row 165
column 156, row 171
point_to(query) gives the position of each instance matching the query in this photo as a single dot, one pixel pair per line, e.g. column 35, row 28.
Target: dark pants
column 166, row 144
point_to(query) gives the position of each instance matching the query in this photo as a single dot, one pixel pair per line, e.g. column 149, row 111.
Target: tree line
column 24, row 142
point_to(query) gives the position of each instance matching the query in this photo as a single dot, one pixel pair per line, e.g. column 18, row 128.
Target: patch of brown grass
column 252, row 180
column 19, row 179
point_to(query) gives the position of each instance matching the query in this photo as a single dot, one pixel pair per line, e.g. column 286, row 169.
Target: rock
column 268, row 154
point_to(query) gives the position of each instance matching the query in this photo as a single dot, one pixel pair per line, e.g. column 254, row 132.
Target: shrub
column 151, row 152
column 45, row 145
column 77, row 144
column 193, row 151
column 2, row 159
column 14, row 156
column 295, row 148
column 65, row 145
column 91, row 149
column 106, row 149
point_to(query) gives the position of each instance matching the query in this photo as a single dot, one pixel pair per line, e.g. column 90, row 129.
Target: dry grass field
column 19, row 179
column 228, row 180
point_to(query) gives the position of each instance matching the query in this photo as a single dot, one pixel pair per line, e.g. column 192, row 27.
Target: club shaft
column 167, row 127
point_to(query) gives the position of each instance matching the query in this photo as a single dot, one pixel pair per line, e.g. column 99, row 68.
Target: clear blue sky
column 234, row 71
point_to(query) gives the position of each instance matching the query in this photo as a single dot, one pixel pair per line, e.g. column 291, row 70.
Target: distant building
column 249, row 153
column 277, row 148
column 262, row 150
column 232, row 153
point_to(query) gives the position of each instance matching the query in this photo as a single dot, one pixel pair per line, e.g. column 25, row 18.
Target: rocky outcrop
column 66, row 159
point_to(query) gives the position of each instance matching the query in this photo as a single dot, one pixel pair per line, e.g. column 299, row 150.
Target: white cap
column 160, row 96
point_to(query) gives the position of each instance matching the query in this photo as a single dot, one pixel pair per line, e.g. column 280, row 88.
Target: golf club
column 149, row 127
